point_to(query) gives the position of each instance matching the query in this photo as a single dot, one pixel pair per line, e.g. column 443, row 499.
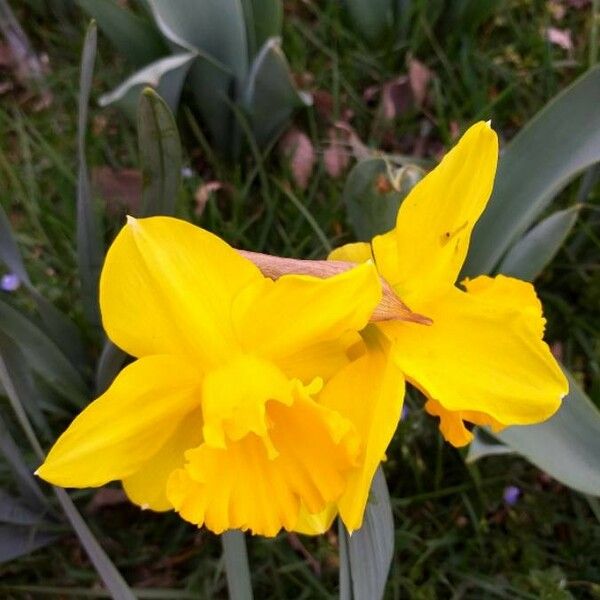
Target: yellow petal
column 436, row 219
column 321, row 360
column 358, row 252
column 483, row 352
column 234, row 399
column 167, row 288
column 315, row 524
column 241, row 487
column 147, row 487
column 118, row 432
column 508, row 293
column 452, row 423
column 369, row 392
column 276, row 319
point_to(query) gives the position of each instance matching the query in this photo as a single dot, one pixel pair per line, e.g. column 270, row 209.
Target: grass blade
column 111, row 578
column 59, row 327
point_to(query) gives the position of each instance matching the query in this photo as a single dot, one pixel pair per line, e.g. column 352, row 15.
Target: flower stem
column 237, row 570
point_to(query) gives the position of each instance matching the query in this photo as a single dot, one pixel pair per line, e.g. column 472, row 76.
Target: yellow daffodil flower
column 250, row 401
column 483, row 359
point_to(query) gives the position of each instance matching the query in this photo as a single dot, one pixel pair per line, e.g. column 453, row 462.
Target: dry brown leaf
column 121, row 190
column 106, row 497
column 560, row 37
column 203, row 194
column 419, row 77
column 353, row 142
column 297, row 148
column 336, row 156
column 396, row 98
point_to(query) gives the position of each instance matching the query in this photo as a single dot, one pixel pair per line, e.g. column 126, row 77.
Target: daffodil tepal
column 482, row 359
column 242, row 408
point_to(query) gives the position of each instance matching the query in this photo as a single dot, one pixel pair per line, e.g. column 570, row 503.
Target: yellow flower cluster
column 259, row 405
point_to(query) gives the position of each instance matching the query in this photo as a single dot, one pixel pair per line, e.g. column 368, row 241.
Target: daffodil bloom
column 240, row 410
column 482, row 360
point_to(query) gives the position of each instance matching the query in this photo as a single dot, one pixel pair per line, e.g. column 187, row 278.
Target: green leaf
column 485, row 444
column 20, row 540
column 9, row 251
column 237, row 571
column 366, row 555
column 211, row 87
column 530, row 255
column 28, row 486
column 371, row 201
column 567, row 446
column 90, row 251
column 16, row 512
column 110, row 363
column 562, row 140
column 58, row 325
column 214, row 29
column 270, row 95
column 43, row 355
column 373, row 19
column 466, row 16
column 14, row 366
column 160, row 155
column 166, row 75
column 136, row 38
column 217, row 33
column 111, row 578
column 264, row 20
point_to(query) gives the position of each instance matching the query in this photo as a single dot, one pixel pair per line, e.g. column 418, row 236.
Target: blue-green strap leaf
column 43, row 355
column 530, row 255
column 90, row 251
column 567, row 446
column 264, row 20
column 135, row 37
column 160, row 155
column 366, row 555
column 270, row 95
column 562, row 140
column 166, row 75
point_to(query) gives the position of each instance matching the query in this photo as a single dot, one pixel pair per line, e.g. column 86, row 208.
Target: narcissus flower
column 250, row 401
column 483, row 359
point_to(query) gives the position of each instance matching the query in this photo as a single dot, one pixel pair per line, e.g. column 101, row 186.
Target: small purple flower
column 511, row 494
column 405, row 413
column 10, row 282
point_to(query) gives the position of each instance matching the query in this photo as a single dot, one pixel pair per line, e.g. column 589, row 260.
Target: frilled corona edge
column 389, row 308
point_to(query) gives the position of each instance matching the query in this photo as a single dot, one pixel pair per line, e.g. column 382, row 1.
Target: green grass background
column 455, row 537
